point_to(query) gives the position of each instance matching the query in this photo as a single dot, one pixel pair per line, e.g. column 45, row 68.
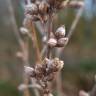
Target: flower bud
column 24, row 30
column 61, row 42
column 52, row 42
column 31, row 9
column 44, row 39
column 19, row 54
column 22, row 87
column 29, row 71
column 50, row 94
column 60, row 32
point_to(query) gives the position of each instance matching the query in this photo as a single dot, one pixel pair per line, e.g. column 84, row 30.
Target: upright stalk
column 49, row 34
column 35, row 43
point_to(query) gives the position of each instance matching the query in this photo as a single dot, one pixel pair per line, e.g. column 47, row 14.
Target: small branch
column 77, row 18
column 49, row 34
column 35, row 42
column 74, row 24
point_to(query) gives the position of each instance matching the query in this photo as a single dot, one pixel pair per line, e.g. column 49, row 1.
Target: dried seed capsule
column 61, row 42
column 31, row 9
column 29, row 71
column 22, row 87
column 39, row 71
column 52, row 42
column 43, row 7
column 60, row 32
column 24, row 30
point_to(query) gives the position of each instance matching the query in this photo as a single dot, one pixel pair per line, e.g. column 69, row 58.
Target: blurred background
column 79, row 55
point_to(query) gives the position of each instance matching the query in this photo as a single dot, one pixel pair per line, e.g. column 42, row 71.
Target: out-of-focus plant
column 46, row 67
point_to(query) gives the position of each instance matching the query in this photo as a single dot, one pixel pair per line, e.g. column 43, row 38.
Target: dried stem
column 74, row 24
column 35, row 42
column 49, row 34
column 77, row 18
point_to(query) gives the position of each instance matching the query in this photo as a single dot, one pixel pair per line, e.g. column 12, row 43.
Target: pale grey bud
column 50, row 94
column 60, row 32
column 52, row 42
column 31, row 9
column 19, row 54
column 44, row 39
column 24, row 30
column 83, row 93
column 61, row 42
column 22, row 87
column 29, row 70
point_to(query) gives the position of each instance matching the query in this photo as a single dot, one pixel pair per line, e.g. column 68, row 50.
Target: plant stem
column 49, row 34
column 35, row 43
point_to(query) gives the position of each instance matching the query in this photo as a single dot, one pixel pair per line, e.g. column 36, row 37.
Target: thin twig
column 35, row 42
column 77, row 18
column 49, row 34
column 74, row 24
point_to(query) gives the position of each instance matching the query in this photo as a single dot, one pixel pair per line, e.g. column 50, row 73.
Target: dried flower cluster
column 58, row 39
column 45, row 72
column 43, row 11
column 40, row 9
